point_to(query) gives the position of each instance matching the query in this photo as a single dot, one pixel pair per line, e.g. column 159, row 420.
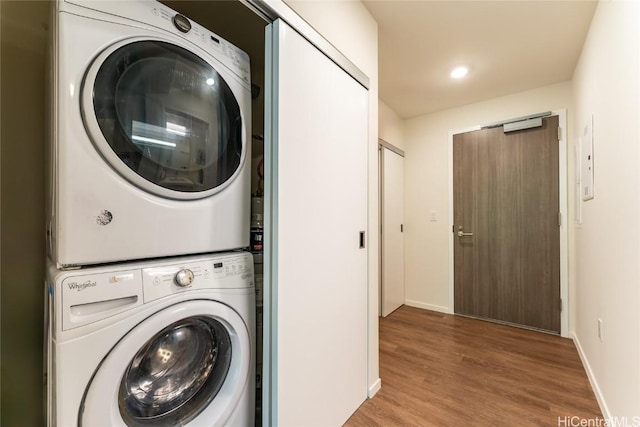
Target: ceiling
column 509, row 46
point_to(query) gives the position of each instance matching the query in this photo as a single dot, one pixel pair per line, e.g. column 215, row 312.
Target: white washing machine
column 153, row 344
column 151, row 135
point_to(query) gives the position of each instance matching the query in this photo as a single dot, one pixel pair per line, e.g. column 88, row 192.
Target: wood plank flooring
column 444, row 370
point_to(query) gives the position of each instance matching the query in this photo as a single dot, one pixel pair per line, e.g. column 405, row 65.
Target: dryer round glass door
column 169, row 117
column 190, row 362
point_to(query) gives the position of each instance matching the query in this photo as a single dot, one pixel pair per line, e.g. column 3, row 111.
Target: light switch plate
column 586, row 164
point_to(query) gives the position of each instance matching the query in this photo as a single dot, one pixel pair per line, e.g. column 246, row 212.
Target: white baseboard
column 432, row 307
column 592, row 379
column 375, row 387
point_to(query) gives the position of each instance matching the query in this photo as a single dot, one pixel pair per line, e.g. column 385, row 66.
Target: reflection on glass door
column 169, row 116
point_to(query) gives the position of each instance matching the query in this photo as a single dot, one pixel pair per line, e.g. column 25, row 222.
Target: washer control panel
column 87, row 296
column 232, row 271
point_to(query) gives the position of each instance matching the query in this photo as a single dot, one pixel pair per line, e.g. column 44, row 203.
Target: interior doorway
column 506, row 225
column 392, row 229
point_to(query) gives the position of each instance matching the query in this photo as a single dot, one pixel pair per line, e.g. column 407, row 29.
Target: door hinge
column 559, row 133
column 402, row 228
column 559, row 219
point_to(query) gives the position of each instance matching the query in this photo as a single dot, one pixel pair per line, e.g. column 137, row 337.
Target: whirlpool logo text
column 82, row 286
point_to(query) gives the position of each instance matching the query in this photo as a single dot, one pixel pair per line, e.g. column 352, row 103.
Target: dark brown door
column 507, row 262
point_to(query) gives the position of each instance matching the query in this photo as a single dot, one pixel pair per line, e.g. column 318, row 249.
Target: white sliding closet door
column 318, row 269
column 392, row 231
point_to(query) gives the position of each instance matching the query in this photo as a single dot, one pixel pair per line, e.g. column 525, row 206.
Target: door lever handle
column 463, row 234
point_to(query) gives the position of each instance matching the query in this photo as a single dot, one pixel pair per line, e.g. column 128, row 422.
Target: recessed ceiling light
column 459, row 72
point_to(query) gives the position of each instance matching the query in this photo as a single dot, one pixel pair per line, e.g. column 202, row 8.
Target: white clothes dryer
column 153, row 344
column 150, row 126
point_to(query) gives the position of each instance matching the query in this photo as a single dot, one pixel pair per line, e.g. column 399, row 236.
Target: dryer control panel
column 164, row 18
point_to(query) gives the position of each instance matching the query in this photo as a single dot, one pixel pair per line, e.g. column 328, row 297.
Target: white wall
column 353, row 31
column 607, row 247
column 390, row 126
column 427, row 188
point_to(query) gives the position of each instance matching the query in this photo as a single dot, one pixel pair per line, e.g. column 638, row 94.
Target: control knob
column 182, row 23
column 184, row 277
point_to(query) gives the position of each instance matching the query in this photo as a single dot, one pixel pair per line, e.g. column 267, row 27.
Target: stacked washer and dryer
column 151, row 300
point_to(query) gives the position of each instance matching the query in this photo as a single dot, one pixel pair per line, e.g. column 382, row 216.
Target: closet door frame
column 392, row 292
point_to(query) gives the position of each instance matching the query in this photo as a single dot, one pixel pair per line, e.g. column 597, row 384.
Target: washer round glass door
column 188, row 362
column 176, row 373
column 164, row 117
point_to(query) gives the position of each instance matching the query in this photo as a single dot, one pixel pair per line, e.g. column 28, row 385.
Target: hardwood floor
column 444, row 370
